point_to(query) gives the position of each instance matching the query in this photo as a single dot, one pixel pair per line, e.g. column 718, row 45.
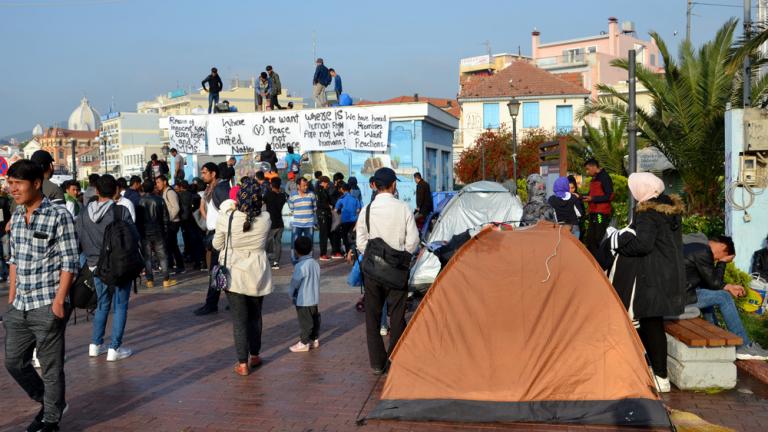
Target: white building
column 129, row 139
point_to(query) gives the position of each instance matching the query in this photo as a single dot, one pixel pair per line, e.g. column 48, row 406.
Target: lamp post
column 73, row 142
column 104, row 154
column 482, row 152
column 514, row 110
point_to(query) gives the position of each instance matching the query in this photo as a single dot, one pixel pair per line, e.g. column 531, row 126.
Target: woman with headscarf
column 648, row 272
column 241, row 237
column 354, row 189
column 536, row 208
column 565, row 205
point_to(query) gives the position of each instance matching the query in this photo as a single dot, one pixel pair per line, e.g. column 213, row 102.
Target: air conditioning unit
column 628, row 27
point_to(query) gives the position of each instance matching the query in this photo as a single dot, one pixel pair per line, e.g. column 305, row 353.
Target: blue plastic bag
column 355, row 277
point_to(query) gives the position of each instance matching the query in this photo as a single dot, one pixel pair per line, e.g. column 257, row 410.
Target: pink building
column 590, row 57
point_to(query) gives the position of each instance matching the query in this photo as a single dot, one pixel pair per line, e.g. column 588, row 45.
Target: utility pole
column 747, row 78
column 632, row 124
column 688, row 21
column 487, row 44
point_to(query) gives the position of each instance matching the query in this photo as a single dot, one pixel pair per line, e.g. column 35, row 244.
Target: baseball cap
column 385, row 175
column 42, row 157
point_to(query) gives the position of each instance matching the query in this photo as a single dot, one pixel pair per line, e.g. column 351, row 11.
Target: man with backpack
column 43, row 262
column 110, row 242
column 386, row 229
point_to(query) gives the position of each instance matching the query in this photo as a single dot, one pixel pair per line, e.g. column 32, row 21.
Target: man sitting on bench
column 704, row 269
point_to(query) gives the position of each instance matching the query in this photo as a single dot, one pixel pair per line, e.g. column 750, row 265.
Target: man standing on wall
column 215, row 86
column 320, row 81
column 599, row 204
column 178, row 166
column 336, row 84
column 277, row 88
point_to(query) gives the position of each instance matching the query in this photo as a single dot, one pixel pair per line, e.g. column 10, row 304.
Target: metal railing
column 563, row 60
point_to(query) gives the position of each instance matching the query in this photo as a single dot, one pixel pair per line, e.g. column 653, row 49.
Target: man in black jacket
column 704, row 269
column 215, row 86
column 190, row 232
column 323, row 214
column 268, row 155
column 424, row 205
column 152, row 221
column 155, row 168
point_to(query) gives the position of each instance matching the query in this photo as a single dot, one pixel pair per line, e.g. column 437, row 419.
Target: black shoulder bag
column 384, row 264
column 221, row 279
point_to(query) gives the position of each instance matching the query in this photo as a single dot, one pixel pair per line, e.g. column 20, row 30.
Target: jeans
column 246, row 324
column 708, row 299
column 375, row 297
column 156, row 244
column 318, row 93
column 298, row 232
column 324, row 226
column 172, row 246
column 309, row 323
column 106, row 300
column 37, row 328
column 213, row 98
column 384, row 320
column 344, row 230
column 275, row 245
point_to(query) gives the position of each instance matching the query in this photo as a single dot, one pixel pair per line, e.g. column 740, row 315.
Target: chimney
column 535, row 44
column 450, row 103
column 613, row 33
column 415, row 97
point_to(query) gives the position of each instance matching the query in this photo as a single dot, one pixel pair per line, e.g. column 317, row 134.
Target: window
column 592, row 49
column 573, row 55
column 530, row 114
column 490, row 115
column 640, row 50
column 653, row 59
column 564, row 119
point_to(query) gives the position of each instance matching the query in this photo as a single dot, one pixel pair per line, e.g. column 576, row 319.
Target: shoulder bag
column 221, row 279
column 383, row 264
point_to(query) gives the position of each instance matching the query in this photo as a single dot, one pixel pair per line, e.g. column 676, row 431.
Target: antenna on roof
column 487, row 44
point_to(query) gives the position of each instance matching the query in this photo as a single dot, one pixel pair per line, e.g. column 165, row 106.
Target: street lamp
column 165, row 149
column 73, row 142
column 104, row 155
column 514, row 110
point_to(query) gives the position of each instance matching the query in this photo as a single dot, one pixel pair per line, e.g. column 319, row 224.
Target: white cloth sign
column 235, row 134
column 187, row 133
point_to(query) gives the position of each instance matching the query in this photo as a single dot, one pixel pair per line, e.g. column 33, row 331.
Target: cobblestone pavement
column 180, row 377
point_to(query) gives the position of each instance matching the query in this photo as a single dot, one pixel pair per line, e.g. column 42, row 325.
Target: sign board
column 476, row 61
column 187, row 133
column 756, row 129
column 651, row 159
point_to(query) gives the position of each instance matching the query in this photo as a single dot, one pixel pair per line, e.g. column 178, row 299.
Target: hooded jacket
column 567, row 211
column 651, row 258
column 601, row 192
column 536, row 208
column 91, row 225
column 701, row 270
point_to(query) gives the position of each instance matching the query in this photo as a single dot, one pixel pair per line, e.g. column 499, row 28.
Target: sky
column 54, row 52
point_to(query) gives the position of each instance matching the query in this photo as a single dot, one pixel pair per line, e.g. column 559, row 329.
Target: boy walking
column 349, row 207
column 43, row 262
column 305, row 292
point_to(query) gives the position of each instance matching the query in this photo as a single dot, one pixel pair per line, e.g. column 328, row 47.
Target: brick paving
column 180, row 377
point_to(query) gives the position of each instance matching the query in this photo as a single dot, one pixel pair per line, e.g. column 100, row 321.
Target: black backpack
column 120, row 260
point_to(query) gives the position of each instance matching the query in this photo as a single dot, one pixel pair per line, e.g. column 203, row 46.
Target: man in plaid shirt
column 43, row 262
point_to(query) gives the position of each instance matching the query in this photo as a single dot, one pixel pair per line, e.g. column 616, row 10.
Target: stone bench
column 700, row 355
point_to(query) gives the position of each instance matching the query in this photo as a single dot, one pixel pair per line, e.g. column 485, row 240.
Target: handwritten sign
column 366, row 130
column 280, row 130
column 323, row 130
column 228, row 134
column 187, row 133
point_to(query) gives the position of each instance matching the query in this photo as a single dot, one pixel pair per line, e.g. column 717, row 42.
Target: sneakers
column 35, row 361
column 752, row 351
column 118, row 354
column 275, row 266
column 315, row 344
column 299, row 347
column 38, row 424
column 205, row 310
column 169, row 283
column 96, row 350
column 324, row 258
column 150, row 284
column 337, row 255
column 662, row 384
column 242, row 369
column 255, row 361
column 384, row 331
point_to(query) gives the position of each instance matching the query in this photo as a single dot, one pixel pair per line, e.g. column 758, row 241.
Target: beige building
column 128, row 139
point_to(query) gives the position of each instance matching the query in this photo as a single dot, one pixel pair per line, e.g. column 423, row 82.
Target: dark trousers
column 37, row 328
column 309, row 323
column 344, row 230
column 156, row 244
column 212, row 297
column 275, row 103
column 275, row 244
column 652, row 334
column 246, row 323
column 598, row 223
column 193, row 242
column 172, row 246
column 335, row 237
column 324, row 226
column 375, row 296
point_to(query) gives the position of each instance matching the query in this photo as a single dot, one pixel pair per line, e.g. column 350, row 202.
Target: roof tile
column 518, row 79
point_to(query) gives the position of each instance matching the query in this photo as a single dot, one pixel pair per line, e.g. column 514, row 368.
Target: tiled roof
column 519, row 79
column 451, row 106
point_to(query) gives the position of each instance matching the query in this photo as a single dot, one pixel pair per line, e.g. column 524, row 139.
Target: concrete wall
column 747, row 236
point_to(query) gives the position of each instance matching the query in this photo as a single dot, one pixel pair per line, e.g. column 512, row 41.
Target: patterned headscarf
column 249, row 199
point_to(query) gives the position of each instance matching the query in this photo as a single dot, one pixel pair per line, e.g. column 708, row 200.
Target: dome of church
column 84, row 118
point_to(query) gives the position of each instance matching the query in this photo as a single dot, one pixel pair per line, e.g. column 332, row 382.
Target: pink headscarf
column 645, row 186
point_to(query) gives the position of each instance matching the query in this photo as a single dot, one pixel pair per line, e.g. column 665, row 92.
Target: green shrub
column 711, row 226
column 737, row 277
column 522, row 190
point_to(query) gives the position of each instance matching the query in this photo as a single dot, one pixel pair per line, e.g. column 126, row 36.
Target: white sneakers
column 96, row 350
column 35, row 361
column 316, row 344
column 300, row 347
column 118, row 354
column 384, row 330
column 662, row 384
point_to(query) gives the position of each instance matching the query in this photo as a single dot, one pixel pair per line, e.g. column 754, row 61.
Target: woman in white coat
column 250, row 275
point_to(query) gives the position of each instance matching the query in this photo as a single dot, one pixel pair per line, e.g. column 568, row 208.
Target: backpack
column 120, row 260
column 82, row 293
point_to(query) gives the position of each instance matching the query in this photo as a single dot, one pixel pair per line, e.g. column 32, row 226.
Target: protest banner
column 187, row 133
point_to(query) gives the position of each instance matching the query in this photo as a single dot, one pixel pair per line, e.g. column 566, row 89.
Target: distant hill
column 24, row 136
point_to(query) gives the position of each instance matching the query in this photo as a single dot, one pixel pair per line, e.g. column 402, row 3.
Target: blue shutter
column 564, row 119
column 530, row 114
column 490, row 116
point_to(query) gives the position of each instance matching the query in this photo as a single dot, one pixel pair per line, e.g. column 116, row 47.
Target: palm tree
column 686, row 119
column 607, row 144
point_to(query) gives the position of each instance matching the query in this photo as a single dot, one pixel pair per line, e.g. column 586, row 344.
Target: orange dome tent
column 521, row 326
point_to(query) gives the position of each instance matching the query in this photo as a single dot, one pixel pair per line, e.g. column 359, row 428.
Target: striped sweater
column 303, row 207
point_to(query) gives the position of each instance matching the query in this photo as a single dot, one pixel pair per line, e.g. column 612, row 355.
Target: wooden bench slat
column 731, row 339
column 697, row 326
column 684, row 335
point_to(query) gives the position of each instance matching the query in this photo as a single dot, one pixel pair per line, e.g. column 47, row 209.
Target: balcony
column 563, row 61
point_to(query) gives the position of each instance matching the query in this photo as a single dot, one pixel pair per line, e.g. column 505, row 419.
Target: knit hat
column 645, row 186
column 561, row 187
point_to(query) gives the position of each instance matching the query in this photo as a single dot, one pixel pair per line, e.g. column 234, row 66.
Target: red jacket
column 601, row 192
